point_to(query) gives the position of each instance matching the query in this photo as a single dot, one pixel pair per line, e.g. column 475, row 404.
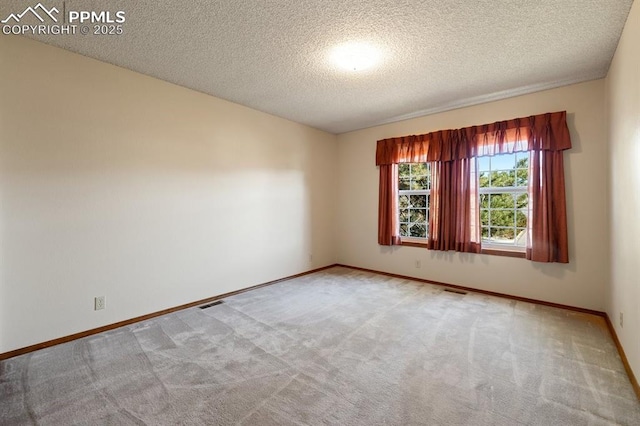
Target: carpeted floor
column 339, row 347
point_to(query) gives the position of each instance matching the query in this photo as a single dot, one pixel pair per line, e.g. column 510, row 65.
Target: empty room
column 265, row 212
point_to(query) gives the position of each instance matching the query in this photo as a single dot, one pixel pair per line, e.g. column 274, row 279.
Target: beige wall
column 117, row 184
column 580, row 283
column 623, row 105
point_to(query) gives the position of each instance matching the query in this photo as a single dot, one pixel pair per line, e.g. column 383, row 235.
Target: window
column 497, row 186
column 503, row 183
column 414, row 188
column 504, row 201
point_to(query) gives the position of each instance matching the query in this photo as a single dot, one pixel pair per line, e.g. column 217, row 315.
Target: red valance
column 544, row 132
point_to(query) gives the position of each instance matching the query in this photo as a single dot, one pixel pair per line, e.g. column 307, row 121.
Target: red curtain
column 454, row 223
column 545, row 132
column 388, row 233
column 547, row 227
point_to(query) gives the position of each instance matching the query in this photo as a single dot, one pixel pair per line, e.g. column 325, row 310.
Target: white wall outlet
column 418, row 264
column 99, row 303
column 621, row 319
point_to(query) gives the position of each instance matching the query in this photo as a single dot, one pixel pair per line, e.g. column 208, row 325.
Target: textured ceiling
column 437, row 55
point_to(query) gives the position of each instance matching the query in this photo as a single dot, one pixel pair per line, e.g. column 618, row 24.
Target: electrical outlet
column 99, row 303
column 418, row 264
column 621, row 319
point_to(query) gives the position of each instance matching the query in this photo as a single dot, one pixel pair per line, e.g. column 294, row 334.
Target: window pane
column 485, row 182
column 419, row 201
column 484, row 217
column 404, row 215
column 521, row 220
column 419, row 231
column 403, row 184
column 522, row 177
column 522, row 201
column 403, row 170
column 503, row 178
column 419, row 183
column 485, row 232
column 403, row 201
column 404, row 230
column 483, row 164
column 418, row 169
column 503, row 218
column 418, row 216
column 500, row 234
column 503, row 162
column 522, row 160
column 502, row 201
column 484, row 200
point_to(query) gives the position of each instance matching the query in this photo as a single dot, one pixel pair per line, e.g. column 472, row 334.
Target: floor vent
column 208, row 305
column 451, row 290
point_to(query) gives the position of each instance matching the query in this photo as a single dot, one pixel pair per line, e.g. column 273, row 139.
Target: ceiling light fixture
column 355, row 56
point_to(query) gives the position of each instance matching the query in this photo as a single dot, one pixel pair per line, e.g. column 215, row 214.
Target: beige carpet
column 337, row 347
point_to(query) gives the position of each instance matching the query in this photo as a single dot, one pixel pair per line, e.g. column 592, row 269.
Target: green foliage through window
column 503, row 181
column 503, row 190
column 414, row 184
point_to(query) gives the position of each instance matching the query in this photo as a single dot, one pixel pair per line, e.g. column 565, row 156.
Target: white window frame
column 486, row 244
column 409, row 192
column 494, row 245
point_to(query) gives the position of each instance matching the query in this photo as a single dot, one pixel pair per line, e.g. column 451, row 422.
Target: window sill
column 413, row 244
column 505, row 253
column 489, row 251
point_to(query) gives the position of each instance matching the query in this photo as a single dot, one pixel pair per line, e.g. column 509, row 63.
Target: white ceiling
column 272, row 55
